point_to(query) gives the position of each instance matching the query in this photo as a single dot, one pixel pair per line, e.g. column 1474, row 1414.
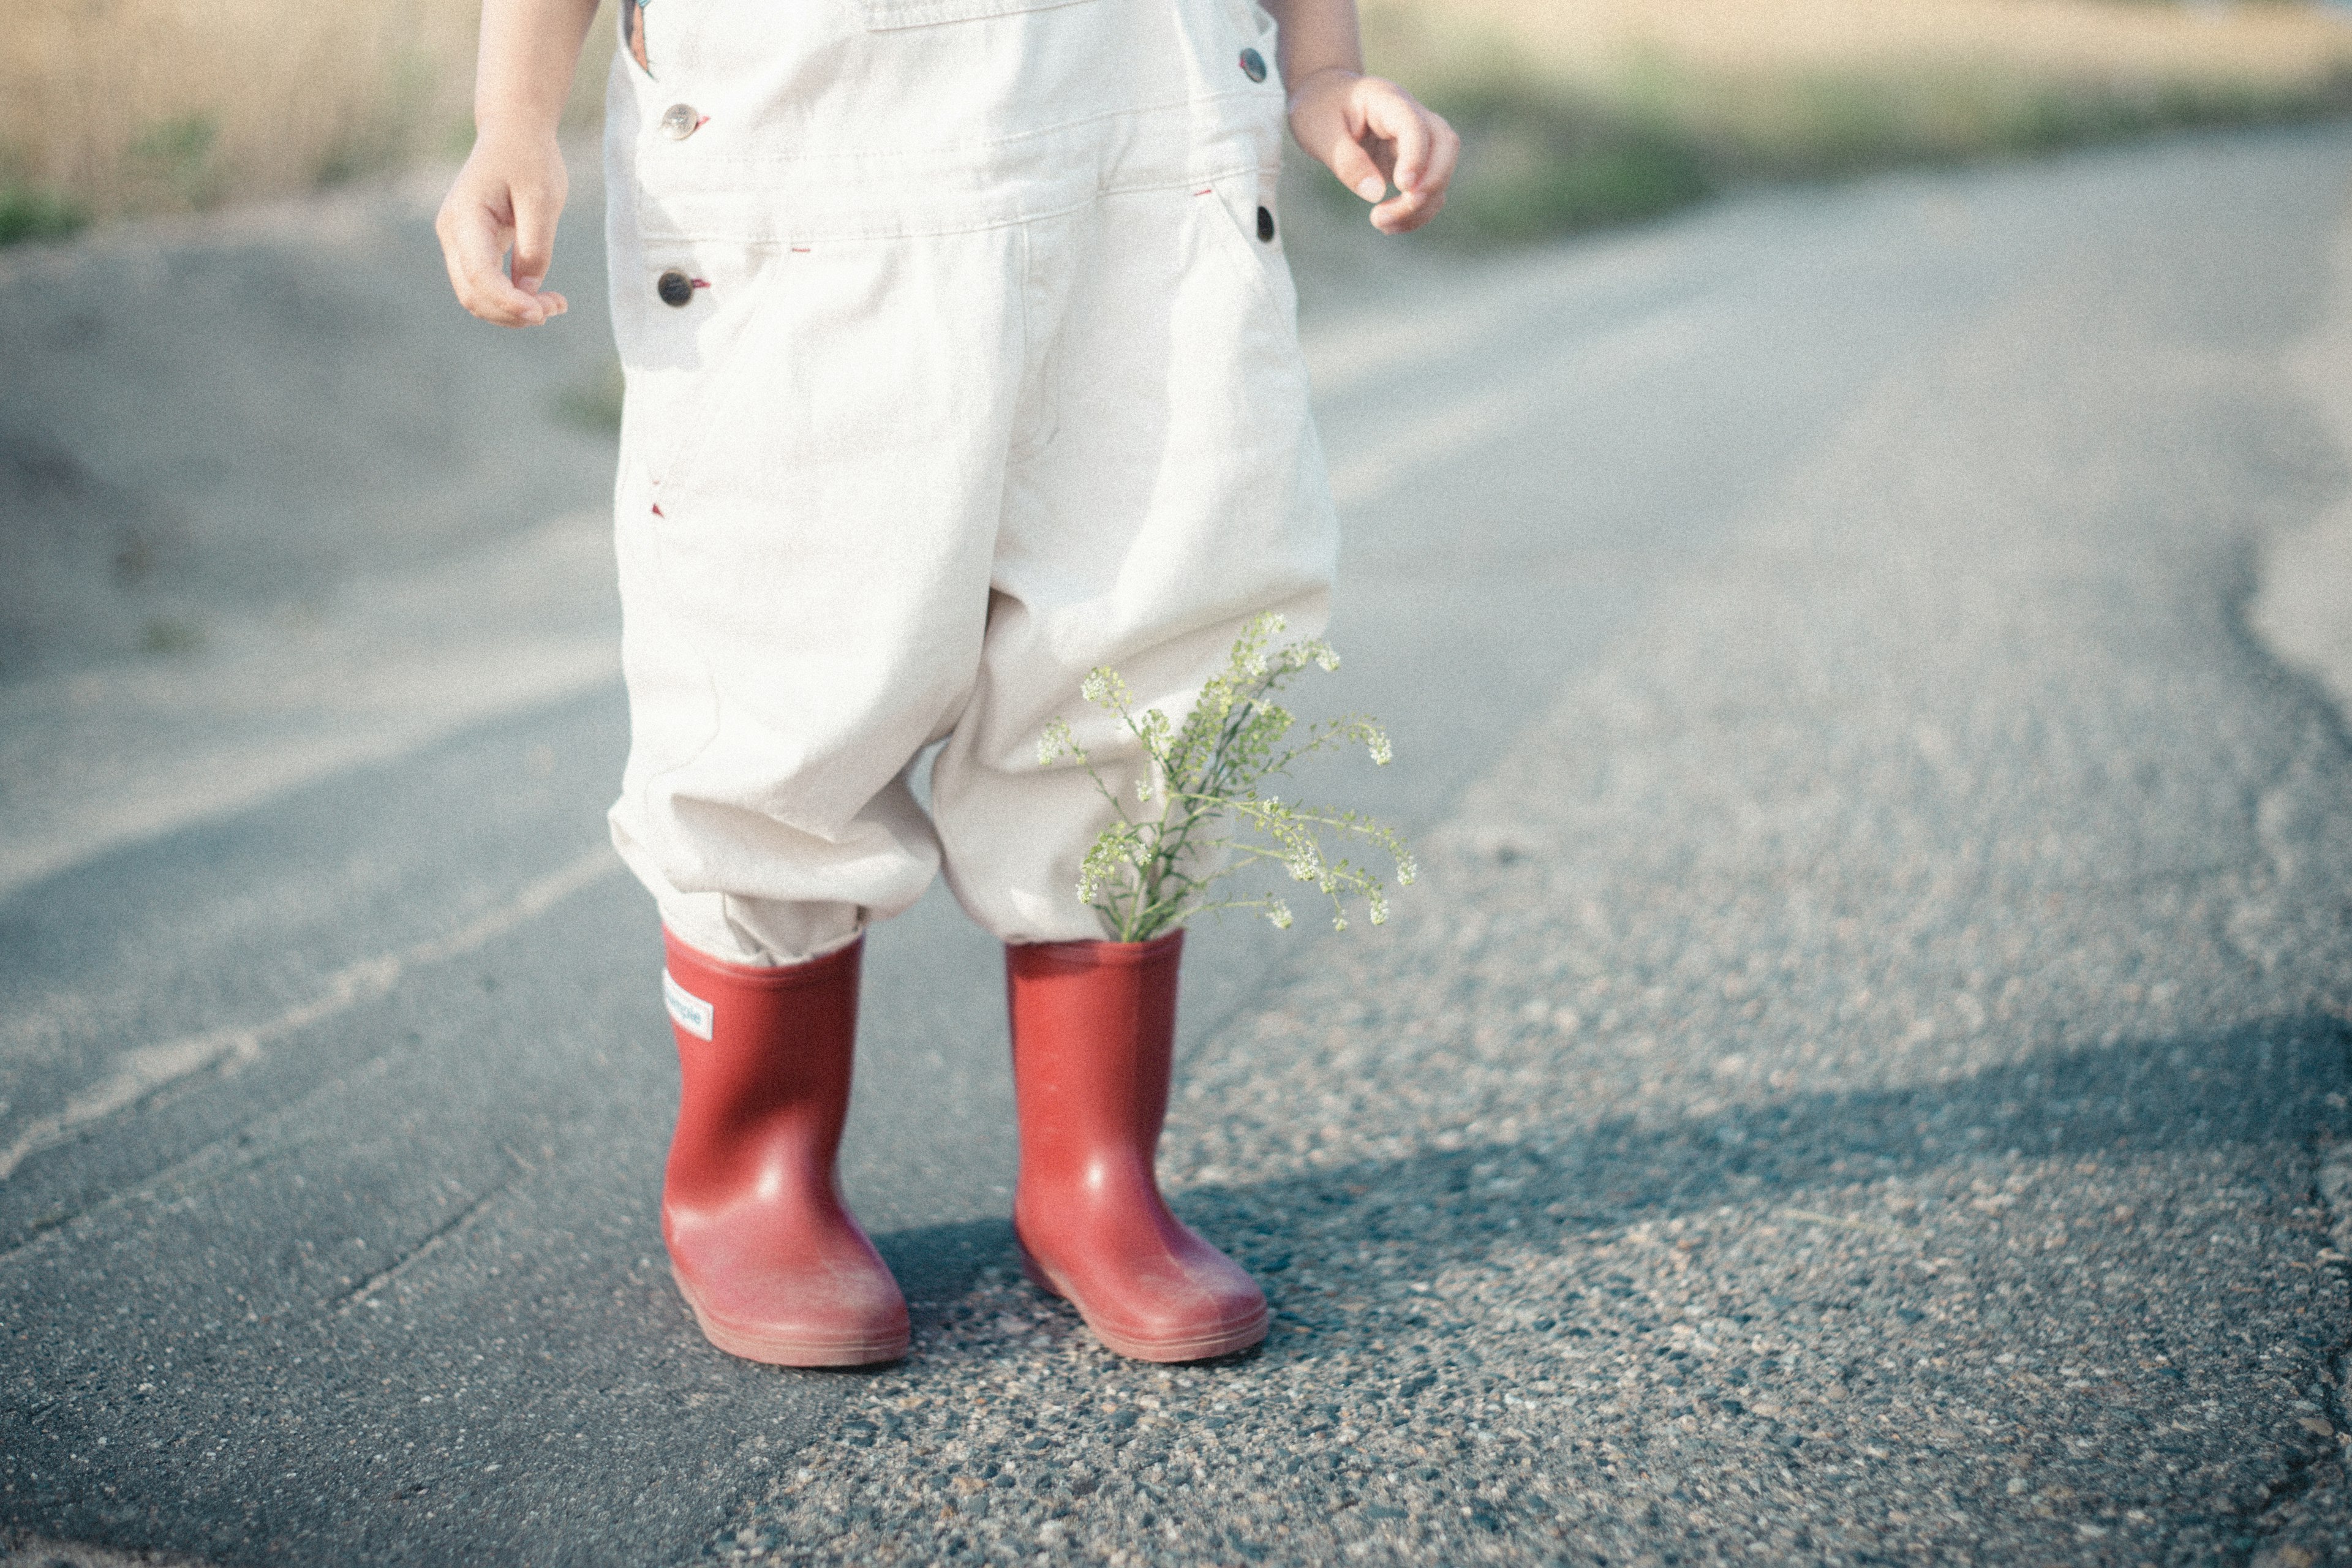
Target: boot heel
column 1036, row 1275
column 876, row 1346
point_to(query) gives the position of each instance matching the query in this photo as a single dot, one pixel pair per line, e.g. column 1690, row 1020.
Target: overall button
column 679, row 121
column 675, row 288
column 1253, row 64
column 1266, row 224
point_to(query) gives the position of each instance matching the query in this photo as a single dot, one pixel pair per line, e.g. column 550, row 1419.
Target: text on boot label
column 687, row 1010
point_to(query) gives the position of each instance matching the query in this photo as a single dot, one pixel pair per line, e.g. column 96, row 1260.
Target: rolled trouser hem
column 724, row 939
column 765, row 961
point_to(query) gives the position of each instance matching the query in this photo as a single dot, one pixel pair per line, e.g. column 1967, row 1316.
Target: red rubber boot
column 773, row 1266
column 1093, row 1032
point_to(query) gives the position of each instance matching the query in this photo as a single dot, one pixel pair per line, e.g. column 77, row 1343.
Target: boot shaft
column 773, row 1265
column 765, row 1057
column 1094, row 1036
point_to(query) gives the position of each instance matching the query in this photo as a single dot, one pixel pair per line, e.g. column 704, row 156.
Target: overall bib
column 961, row 358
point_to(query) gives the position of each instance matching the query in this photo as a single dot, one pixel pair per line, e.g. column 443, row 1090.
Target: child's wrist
column 1312, row 79
column 515, row 128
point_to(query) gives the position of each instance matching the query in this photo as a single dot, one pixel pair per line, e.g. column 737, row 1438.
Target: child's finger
column 534, row 237
column 1407, row 211
column 1355, row 168
column 472, row 245
column 1402, row 121
column 1445, row 155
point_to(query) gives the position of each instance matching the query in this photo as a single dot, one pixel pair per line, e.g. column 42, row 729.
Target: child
column 961, row 358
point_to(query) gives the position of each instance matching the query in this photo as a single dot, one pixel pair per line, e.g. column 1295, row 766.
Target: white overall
column 961, row 358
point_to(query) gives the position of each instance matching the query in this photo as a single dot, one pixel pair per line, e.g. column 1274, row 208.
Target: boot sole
column 769, row 1348
column 1207, row 1346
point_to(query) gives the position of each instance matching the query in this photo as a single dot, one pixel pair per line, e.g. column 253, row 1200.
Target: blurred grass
column 1578, row 111
column 110, row 107
column 1590, row 111
column 594, row 403
column 36, row 215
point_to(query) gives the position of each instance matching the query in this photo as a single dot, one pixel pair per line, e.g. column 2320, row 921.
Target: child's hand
column 1373, row 133
column 508, row 195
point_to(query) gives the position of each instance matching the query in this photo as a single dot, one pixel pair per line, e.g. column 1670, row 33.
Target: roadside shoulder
column 2302, row 606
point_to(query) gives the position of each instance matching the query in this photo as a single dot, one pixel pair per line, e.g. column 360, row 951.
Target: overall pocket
column 1246, row 232
column 682, row 361
column 881, row 15
column 648, row 46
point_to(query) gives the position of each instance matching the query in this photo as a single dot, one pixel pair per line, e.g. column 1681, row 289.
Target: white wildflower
column 1200, row 816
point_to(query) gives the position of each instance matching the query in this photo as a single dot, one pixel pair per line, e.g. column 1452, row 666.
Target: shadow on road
column 2280, row 1085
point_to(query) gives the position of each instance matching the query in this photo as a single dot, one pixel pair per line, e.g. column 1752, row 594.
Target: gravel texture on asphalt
column 1852, row 1085
column 39, row 1551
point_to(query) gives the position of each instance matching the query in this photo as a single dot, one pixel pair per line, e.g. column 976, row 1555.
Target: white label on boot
column 687, row 1010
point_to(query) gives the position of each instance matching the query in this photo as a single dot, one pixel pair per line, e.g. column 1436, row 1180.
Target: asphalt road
column 1858, row 1081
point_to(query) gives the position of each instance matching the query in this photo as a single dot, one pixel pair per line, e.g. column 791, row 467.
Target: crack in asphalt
column 363, row 1293
column 2331, row 1189
column 185, row 1176
column 140, row 1073
column 153, row 1189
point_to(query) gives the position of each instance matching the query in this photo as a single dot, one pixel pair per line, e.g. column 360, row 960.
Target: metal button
column 1253, row 64
column 1266, row 225
column 679, row 121
column 675, row 288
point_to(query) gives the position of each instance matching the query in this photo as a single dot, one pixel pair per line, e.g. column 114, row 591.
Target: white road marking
column 81, row 1554
column 1350, row 351
column 140, row 1073
column 1642, row 345
column 101, row 758
column 1426, row 443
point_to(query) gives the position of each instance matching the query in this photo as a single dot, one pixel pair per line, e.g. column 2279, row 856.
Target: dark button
column 1266, row 225
column 675, row 288
column 1253, row 64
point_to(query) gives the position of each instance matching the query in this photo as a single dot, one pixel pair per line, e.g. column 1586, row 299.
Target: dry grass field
column 1591, row 109
column 117, row 105
column 1582, row 110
